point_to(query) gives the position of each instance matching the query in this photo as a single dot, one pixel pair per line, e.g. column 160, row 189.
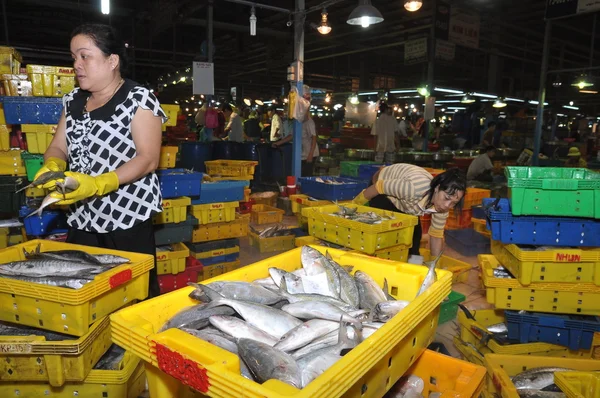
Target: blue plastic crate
column 318, row 190
column 220, row 191
column 367, row 171
column 532, row 230
column 165, row 234
column 51, row 222
column 213, row 245
column 32, row 110
column 467, row 242
column 573, row 331
column 179, row 182
column 227, row 258
column 478, row 212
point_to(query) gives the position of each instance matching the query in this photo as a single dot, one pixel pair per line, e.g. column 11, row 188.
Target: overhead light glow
column 259, row 102
column 467, row 99
column 324, row 28
column 499, row 103
column 513, row 99
column 247, row 101
column 485, row 95
column 252, row 22
column 448, row 90
column 105, row 7
column 369, row 93
column 423, row 91
column 354, row 99
column 364, row 15
column 575, row 108
column 413, row 5
column 402, row 91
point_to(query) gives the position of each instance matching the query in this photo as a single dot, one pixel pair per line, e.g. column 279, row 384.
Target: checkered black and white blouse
column 101, row 141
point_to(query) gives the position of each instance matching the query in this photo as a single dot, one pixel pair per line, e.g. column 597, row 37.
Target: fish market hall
column 299, row 199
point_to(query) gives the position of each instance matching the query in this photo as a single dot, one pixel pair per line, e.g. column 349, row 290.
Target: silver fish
column 195, row 317
column 48, row 201
column 312, row 261
column 69, row 184
column 320, row 310
column 44, row 267
column 348, row 289
column 239, row 329
column 77, row 256
column 430, row 278
column 58, row 281
column 536, row 378
column 266, row 362
column 295, row 298
column 44, row 178
column 305, row 333
column 272, row 321
column 238, row 291
column 498, row 328
column 386, row 290
column 369, row 291
column 292, row 281
column 540, row 394
column 111, row 359
column 386, row 310
column 10, row 329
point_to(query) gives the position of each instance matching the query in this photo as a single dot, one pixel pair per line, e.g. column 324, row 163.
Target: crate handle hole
column 433, row 381
column 390, row 362
column 414, row 342
column 363, row 389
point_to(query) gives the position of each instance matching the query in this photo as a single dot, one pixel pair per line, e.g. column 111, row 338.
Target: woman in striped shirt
column 410, row 189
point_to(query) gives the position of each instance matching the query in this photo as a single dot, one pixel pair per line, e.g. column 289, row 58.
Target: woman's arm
column 147, row 137
column 58, row 145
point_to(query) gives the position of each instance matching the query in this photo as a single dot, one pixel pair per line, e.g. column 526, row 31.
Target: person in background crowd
column 402, row 126
column 310, row 149
column 252, row 127
column 234, row 128
column 110, row 134
column 418, row 128
column 574, row 159
column 410, row 189
column 488, row 136
column 384, row 130
column 481, row 167
column 275, row 123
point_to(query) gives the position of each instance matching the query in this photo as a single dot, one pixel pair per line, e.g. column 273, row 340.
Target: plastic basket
column 461, row 221
column 468, row 353
column 365, row 238
column 193, row 272
column 220, row 191
column 230, row 168
column 221, row 230
column 33, row 359
column 561, row 298
column 575, row 332
column 4, row 137
column 467, row 242
column 10, row 201
column 38, row 136
column 221, row 251
column 350, row 168
column 51, row 81
column 171, row 110
column 449, row 307
column 33, row 164
column 128, row 381
column 174, row 211
column 300, row 201
column 475, row 196
column 534, row 230
column 16, row 84
column 214, row 212
column 50, row 222
column 333, row 192
column 179, row 182
column 368, row 370
column 503, row 367
column 168, row 157
column 564, row 265
column 578, row 384
column 273, row 244
column 478, row 211
column 554, row 191
column 165, row 234
column 471, row 332
column 394, row 253
column 263, row 214
column 71, row 311
column 479, row 226
column 32, row 110
column 10, row 60
column 214, row 270
column 449, row 376
column 460, row 269
column 367, row 171
column 172, row 261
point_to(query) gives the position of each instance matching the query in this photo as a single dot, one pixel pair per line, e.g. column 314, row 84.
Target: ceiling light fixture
column 583, row 82
column 364, row 15
column 499, row 103
column 467, row 99
column 259, row 102
column 247, row 101
column 105, row 6
column 252, row 22
column 588, row 91
column 354, row 99
column 324, row 28
column 423, row 91
column 413, row 5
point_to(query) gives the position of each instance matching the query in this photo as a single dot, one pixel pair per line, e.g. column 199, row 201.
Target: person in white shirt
column 310, row 149
column 275, row 124
column 234, row 128
column 481, row 168
column 402, row 128
column 384, row 129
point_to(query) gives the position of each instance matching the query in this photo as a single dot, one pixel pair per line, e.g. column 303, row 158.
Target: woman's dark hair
column 107, row 39
column 450, row 181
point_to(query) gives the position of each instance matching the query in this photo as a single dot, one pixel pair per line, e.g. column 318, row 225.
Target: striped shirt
column 407, row 186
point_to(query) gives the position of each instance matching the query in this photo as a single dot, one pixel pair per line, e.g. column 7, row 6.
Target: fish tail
column 215, row 297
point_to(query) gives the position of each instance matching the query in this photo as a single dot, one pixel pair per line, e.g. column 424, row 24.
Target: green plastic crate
column 551, row 191
column 33, row 163
column 350, row 168
column 450, row 307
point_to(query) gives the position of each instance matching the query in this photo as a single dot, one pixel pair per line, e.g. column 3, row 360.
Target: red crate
column 193, row 272
column 461, row 222
column 246, row 207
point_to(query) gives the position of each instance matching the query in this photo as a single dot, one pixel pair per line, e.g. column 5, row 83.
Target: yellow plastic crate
column 230, row 168
column 34, row 192
column 503, row 367
column 368, row 370
column 127, row 382
column 479, row 226
column 560, row 298
column 449, row 376
column 273, row 244
column 221, row 230
column 168, row 157
column 2, row 118
column 3, row 238
column 460, row 269
column 172, row 262
column 214, row 212
column 470, row 332
column 10, row 60
column 306, row 240
column 247, row 193
column 33, row 359
column 214, row 270
column 172, row 110
column 365, row 238
column 51, row 81
column 174, row 211
column 467, row 352
column 12, row 170
column 578, row 384
column 11, row 158
column 71, row 311
column 38, row 136
column 474, row 197
column 394, row 253
column 565, row 265
column 302, row 221
column 4, row 138
column 215, row 253
column 300, row 201
column 16, row 239
column 17, row 85
column 263, row 214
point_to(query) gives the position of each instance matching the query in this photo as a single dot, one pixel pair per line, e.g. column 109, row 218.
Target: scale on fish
column 537, row 379
column 44, row 178
column 68, row 185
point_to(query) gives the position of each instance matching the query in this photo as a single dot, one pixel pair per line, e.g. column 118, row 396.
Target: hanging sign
column 445, row 50
column 564, row 8
column 204, row 78
column 442, row 20
column 464, row 28
column 415, row 51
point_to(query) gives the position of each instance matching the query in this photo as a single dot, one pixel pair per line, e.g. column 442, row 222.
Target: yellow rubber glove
column 360, row 199
column 88, row 186
column 51, row 164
